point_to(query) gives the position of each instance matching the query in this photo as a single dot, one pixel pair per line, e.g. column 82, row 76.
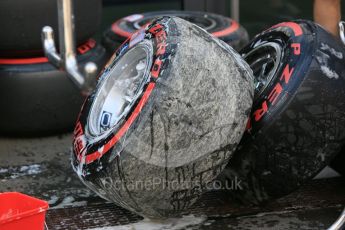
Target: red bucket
column 19, row 211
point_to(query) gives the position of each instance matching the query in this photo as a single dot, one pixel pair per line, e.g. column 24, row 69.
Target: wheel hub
column 264, row 60
column 120, row 89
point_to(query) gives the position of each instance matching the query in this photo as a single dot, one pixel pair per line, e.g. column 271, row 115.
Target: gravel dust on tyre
column 168, row 112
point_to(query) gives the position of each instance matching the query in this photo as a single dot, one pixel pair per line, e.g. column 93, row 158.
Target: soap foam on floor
column 171, row 224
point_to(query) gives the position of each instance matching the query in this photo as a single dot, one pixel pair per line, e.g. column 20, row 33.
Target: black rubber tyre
column 222, row 27
column 38, row 99
column 21, row 23
column 338, row 164
column 297, row 124
column 180, row 130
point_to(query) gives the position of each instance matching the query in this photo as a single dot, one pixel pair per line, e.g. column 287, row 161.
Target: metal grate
column 318, row 194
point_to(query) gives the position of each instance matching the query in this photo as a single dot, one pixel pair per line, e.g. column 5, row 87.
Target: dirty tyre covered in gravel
column 178, row 124
column 221, row 27
column 298, row 118
column 36, row 98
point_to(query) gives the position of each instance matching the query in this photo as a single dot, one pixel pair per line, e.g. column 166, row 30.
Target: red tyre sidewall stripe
column 284, row 79
column 234, row 26
column 96, row 155
column 294, row 26
column 23, row 61
column 117, row 29
column 160, row 35
column 82, row 49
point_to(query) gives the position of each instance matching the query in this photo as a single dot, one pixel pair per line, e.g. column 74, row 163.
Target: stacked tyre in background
column 221, row 27
column 36, row 98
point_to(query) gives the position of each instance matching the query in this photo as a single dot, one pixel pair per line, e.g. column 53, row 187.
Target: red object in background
column 19, row 211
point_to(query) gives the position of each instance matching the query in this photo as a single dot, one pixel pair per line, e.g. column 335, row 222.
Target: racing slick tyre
column 222, row 27
column 297, row 123
column 38, row 99
column 21, row 22
column 164, row 119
